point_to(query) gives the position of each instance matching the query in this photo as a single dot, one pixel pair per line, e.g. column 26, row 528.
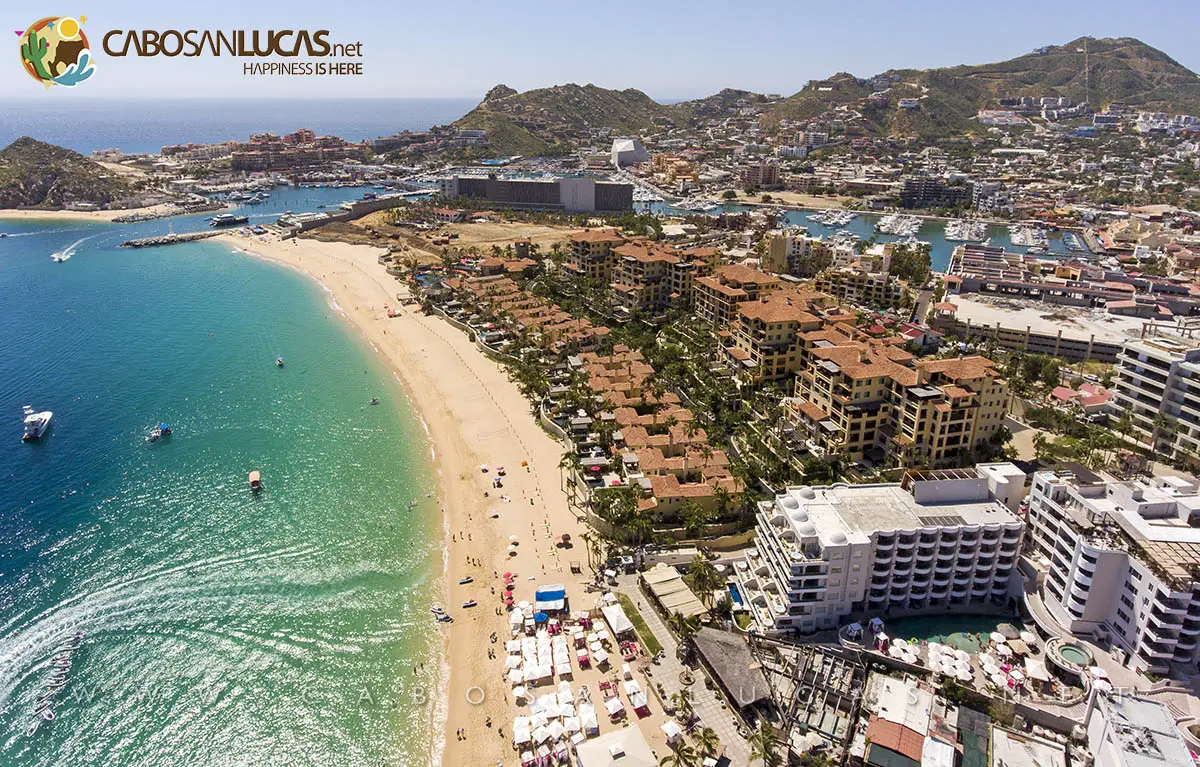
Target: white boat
column 59, row 257
column 36, row 424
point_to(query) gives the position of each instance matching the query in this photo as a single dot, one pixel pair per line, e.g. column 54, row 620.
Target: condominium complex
column 864, row 397
column 1158, row 384
column 715, row 298
column 591, row 254
column 1121, row 561
column 794, row 252
column 936, row 541
column 649, row 278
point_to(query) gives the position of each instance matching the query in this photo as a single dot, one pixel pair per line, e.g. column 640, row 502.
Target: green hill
column 36, row 174
column 550, row 119
column 1121, row 70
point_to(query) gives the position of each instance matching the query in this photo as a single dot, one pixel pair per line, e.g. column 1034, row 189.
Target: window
column 1127, row 602
column 1121, row 614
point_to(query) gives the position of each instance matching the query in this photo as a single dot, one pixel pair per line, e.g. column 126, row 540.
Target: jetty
column 168, row 239
column 181, row 210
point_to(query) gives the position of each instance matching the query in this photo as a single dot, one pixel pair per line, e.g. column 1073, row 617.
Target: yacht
column 36, row 424
column 160, row 431
column 228, row 219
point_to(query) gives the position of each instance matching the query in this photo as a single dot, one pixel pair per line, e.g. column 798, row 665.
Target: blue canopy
column 540, row 617
column 552, row 598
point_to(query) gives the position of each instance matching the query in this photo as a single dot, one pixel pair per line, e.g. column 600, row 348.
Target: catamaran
column 36, row 424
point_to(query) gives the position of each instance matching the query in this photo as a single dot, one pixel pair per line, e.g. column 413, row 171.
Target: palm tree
column 682, row 701
column 682, row 755
column 703, row 577
column 764, row 745
column 707, row 741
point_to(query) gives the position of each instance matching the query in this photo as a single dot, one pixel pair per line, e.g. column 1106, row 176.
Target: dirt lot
column 799, row 199
column 374, row 229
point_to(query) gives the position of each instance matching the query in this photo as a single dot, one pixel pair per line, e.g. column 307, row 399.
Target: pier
column 169, row 239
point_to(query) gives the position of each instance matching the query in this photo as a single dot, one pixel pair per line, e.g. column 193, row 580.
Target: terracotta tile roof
column 598, row 235
column 896, row 737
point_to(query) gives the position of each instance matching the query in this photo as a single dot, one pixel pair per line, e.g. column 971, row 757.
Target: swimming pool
column 736, row 595
column 962, row 632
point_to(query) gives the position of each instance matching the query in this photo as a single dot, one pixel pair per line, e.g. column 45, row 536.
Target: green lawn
column 743, row 620
column 649, row 641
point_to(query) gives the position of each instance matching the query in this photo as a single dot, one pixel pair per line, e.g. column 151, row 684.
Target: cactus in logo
column 54, row 51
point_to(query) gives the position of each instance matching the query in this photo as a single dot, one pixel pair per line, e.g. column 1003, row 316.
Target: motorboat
column 32, row 728
column 465, row 581
column 444, row 618
column 436, row 610
column 374, row 400
column 469, row 603
column 59, row 257
column 47, row 715
column 279, row 362
column 36, row 424
column 255, row 480
column 160, row 431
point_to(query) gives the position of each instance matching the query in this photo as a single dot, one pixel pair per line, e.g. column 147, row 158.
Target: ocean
column 144, row 125
column 219, row 626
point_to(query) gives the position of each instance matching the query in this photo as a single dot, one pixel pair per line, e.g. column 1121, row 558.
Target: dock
column 169, row 239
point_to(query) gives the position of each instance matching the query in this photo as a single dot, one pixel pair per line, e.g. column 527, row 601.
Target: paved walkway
column 707, row 704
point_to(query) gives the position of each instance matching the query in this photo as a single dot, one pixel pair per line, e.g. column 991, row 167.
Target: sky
column 671, row 50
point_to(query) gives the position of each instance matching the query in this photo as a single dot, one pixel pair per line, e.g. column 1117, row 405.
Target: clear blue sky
column 670, row 50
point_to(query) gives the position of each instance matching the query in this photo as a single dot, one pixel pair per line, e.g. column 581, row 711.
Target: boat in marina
column 961, row 230
column 897, row 224
column 228, row 219
column 36, row 424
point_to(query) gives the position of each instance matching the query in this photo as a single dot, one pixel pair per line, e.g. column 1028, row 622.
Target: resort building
column 592, row 254
column 650, row 278
column 794, row 252
column 715, row 298
column 1121, row 561
column 577, row 194
column 855, row 285
column 1158, row 384
column 934, row 542
column 1125, row 731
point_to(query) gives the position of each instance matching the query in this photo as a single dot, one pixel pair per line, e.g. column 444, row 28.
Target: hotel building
column 1121, row 561
column 1158, row 384
column 935, row 542
column 716, row 298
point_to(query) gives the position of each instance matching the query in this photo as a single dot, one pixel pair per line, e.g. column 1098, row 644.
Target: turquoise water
column 220, row 627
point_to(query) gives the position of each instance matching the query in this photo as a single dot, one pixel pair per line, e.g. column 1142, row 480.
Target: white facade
column 1118, row 559
column 1160, row 375
column 934, row 541
column 628, row 151
column 1124, row 731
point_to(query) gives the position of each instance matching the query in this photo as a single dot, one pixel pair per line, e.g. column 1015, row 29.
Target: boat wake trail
column 69, row 251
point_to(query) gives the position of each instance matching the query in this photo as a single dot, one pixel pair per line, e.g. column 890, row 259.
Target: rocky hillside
column 550, row 119
column 36, row 174
column 1119, row 70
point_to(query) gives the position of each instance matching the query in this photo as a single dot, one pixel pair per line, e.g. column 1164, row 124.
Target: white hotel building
column 933, row 542
column 1120, row 561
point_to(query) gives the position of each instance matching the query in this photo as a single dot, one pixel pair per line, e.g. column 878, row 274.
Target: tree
column 682, row 755
column 729, row 194
column 703, row 578
column 764, row 745
column 695, row 517
column 685, row 627
column 682, row 701
column 707, row 741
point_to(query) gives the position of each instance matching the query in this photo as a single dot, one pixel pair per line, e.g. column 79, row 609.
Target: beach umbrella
column 509, row 575
column 512, row 538
column 898, row 642
column 998, row 679
column 1102, row 685
column 1017, row 675
column 483, row 467
column 1098, row 672
column 540, row 617
column 997, row 637
column 962, row 655
column 513, row 661
column 965, row 676
column 516, row 676
column 895, row 651
column 1003, row 650
column 1028, row 637
column 524, row 605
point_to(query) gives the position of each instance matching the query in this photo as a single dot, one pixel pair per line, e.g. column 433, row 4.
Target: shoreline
column 30, row 214
column 472, row 415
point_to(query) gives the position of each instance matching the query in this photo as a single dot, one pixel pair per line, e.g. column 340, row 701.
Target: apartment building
column 592, row 254
column 762, row 344
column 934, row 542
column 869, row 399
column 650, row 278
column 865, row 288
column 1121, row 561
column 1158, row 384
column 759, row 175
column 1126, row 731
column 715, row 298
column 794, row 252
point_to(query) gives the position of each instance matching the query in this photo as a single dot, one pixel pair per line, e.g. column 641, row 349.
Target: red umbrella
column 508, row 575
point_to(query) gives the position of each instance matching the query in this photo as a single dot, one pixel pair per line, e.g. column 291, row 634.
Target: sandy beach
column 75, row 215
column 475, row 416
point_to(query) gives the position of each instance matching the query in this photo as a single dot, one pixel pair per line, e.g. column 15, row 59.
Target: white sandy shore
column 475, row 416
column 75, row 215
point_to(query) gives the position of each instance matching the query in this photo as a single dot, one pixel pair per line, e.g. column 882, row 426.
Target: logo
column 55, row 51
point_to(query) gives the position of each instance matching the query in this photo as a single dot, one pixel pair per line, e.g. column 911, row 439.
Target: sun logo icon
column 54, row 51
